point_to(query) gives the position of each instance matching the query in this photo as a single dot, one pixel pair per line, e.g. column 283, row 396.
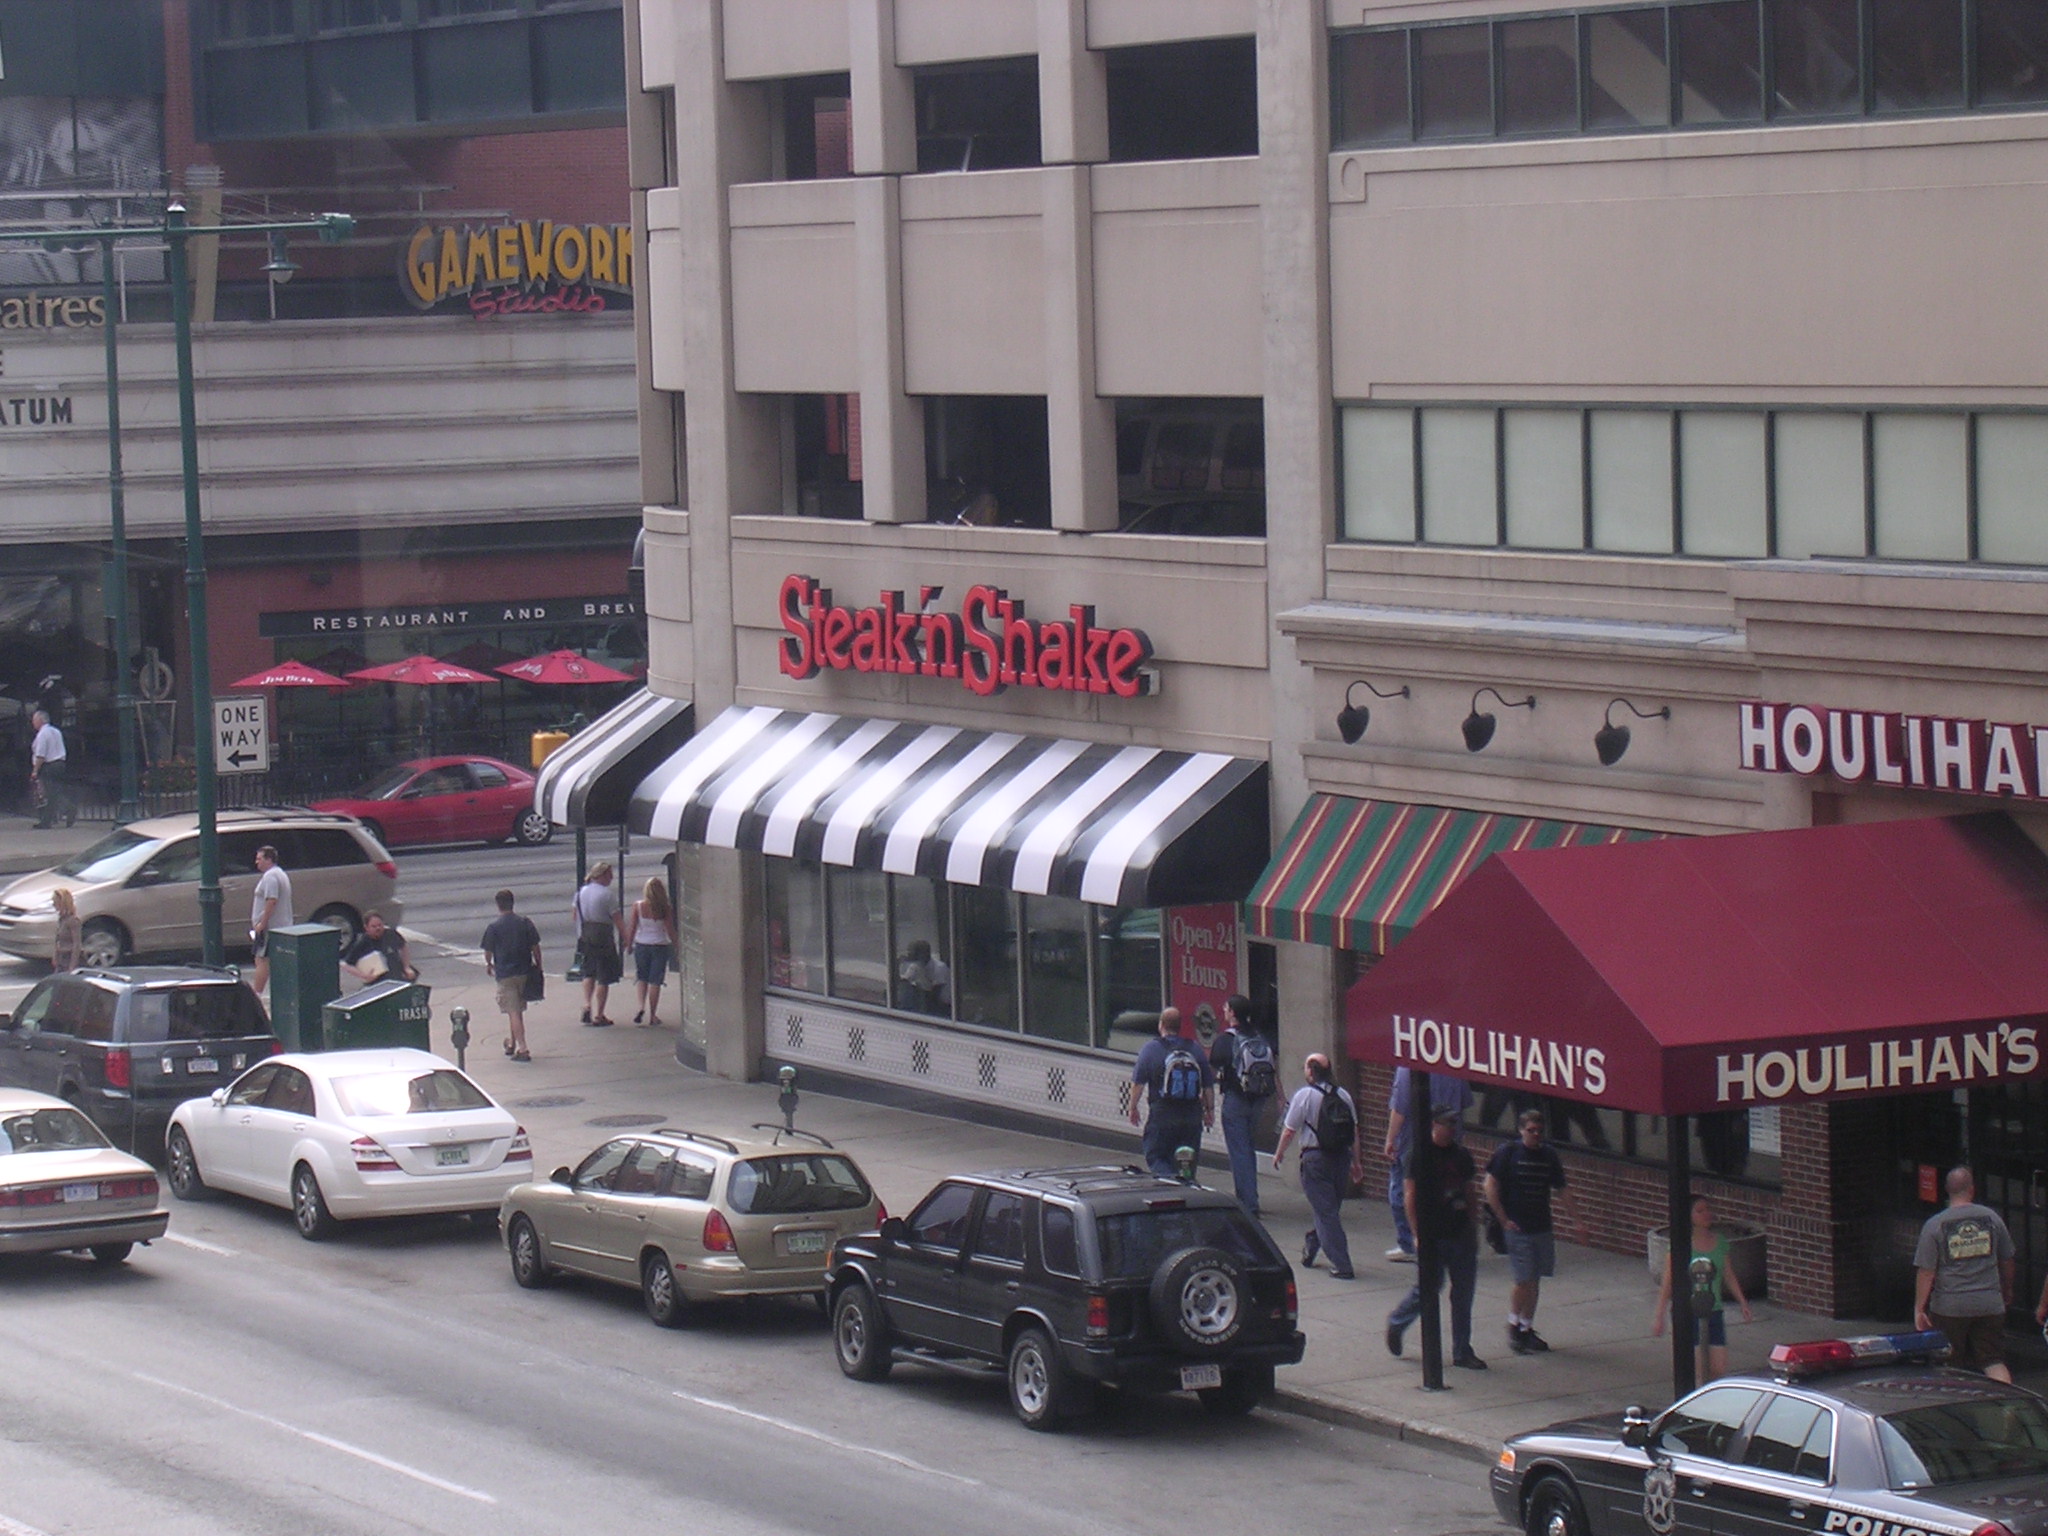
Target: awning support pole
column 1428, row 1251
column 1678, row 1130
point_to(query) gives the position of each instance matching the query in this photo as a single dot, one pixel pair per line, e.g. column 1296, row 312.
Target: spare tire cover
column 1199, row 1300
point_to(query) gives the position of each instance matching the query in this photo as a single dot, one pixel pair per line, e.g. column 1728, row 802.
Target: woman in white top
column 654, row 940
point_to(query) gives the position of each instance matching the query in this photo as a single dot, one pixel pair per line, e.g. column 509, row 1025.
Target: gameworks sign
column 988, row 645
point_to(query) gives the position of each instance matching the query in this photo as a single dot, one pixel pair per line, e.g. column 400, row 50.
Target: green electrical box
column 305, row 976
column 385, row 1013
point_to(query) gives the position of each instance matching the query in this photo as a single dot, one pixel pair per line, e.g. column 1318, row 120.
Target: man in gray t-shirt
column 1964, row 1264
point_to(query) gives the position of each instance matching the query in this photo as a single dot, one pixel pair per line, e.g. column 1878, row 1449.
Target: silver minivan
column 137, row 888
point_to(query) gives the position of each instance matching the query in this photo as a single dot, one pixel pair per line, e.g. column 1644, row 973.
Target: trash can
column 385, row 1013
column 545, row 742
column 305, row 976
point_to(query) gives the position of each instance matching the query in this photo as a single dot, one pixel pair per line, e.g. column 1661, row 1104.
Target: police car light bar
column 1818, row 1356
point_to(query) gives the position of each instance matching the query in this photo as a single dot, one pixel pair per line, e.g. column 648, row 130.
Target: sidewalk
column 25, row 848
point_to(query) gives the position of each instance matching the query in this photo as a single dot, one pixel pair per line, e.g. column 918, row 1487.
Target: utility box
column 385, row 1013
column 305, row 976
column 544, row 743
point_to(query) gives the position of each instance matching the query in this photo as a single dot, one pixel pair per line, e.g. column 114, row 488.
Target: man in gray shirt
column 1964, row 1262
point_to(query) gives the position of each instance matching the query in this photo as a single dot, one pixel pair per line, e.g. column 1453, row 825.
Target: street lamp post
column 124, row 668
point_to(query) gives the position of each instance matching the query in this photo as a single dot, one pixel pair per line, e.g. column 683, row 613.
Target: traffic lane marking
column 361, row 1453
column 202, row 1245
column 806, row 1432
column 17, row 1528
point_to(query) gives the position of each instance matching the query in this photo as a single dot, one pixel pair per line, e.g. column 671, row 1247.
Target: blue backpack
column 1180, row 1078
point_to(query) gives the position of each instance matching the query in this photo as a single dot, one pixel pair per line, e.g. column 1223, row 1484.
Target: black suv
column 129, row 1046
column 1064, row 1279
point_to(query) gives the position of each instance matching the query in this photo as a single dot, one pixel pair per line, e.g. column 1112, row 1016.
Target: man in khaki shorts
column 1964, row 1264
column 511, row 947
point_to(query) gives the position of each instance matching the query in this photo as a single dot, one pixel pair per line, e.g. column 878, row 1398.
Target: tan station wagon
column 690, row 1217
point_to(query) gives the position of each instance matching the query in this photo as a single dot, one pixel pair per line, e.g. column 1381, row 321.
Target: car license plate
column 1195, row 1377
column 448, row 1157
column 74, row 1193
column 803, row 1242
column 200, row 1064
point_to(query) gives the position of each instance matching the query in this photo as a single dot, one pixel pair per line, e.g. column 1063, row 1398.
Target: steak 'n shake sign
column 1857, row 746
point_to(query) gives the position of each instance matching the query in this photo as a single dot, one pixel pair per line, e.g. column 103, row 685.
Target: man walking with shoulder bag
column 1175, row 1081
column 1246, row 1072
column 1323, row 1116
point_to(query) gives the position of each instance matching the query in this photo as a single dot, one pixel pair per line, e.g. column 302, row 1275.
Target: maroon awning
column 1696, row 974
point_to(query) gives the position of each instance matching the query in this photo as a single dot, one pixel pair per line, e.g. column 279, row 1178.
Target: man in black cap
column 1443, row 1211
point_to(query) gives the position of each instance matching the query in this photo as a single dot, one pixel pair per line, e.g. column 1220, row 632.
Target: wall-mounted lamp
column 1478, row 728
column 1352, row 719
column 1611, row 740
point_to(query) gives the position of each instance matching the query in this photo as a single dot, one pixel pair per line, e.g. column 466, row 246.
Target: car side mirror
column 218, row 1098
column 894, row 1231
column 1635, row 1426
column 561, row 1176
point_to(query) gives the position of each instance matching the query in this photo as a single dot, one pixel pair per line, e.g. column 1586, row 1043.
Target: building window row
column 1042, row 966
column 1719, row 483
column 1709, row 64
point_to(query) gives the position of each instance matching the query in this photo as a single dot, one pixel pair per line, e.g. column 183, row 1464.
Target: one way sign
column 241, row 734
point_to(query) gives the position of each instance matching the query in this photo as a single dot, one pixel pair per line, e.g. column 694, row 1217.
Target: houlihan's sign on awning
column 531, row 266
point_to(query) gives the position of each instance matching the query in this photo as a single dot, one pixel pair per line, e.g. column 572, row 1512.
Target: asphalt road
column 239, row 1380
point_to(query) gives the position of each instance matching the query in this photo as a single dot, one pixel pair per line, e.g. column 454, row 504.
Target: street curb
column 1377, row 1421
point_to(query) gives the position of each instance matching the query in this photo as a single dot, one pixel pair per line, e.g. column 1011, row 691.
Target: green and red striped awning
column 1358, row 874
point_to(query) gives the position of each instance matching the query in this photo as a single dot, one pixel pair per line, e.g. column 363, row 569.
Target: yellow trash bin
column 545, row 742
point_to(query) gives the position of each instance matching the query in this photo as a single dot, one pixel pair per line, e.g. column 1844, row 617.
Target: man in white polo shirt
column 48, row 771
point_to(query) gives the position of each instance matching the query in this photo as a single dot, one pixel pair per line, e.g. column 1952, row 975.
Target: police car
column 1861, row 1437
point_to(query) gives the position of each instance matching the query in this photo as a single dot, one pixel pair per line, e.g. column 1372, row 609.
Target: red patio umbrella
column 564, row 667
column 423, row 670
column 290, row 674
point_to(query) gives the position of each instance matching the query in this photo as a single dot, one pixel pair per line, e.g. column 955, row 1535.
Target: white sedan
column 336, row 1135
column 63, row 1186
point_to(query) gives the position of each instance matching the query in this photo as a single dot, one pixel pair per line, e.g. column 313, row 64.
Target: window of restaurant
column 1047, row 967
column 1741, row 1146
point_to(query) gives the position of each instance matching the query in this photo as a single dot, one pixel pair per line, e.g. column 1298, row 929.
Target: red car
column 448, row 800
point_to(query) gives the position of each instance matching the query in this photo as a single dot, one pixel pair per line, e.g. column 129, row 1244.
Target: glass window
column 1814, row 51
column 1056, row 969
column 2012, row 52
column 941, row 1222
column 599, row 1169
column 1454, row 81
column 924, row 946
column 1631, row 470
column 1819, row 460
column 977, row 117
column 1965, row 1442
column 1371, row 87
column 1628, row 80
column 112, row 857
column 690, row 1178
column 409, row 1093
column 195, row 1013
column 985, row 972
column 2012, row 489
column 1193, row 100
column 1002, row 1228
column 1918, row 49
column 1127, row 971
column 860, row 934
column 1180, row 456
column 335, row 15
column 1704, row 1423
column 1539, row 75
column 1460, row 492
column 1057, row 1248
column 798, row 1184
column 796, row 926
column 1244, row 457
column 1379, row 474
column 1724, row 509
column 251, row 1088
column 95, row 1020
column 1794, row 1437
column 1545, row 474
column 1720, row 73
column 1133, row 1245
column 52, row 1130
column 1920, row 482
column 643, row 1172
column 291, row 1091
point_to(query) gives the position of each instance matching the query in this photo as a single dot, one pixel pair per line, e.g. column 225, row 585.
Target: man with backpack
column 1326, row 1120
column 1247, row 1072
column 1179, row 1088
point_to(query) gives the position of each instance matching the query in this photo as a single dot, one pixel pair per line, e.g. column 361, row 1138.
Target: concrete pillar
column 884, row 104
column 735, row 964
column 891, row 422
column 1080, row 426
column 1073, row 87
column 1311, row 1009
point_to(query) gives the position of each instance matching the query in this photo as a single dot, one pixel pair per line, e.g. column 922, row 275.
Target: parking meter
column 458, row 1033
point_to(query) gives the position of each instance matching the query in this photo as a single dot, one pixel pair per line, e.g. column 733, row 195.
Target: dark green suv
column 1066, row 1280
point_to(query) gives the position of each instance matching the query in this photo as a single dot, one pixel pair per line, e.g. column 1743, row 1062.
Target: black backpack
column 1257, row 1073
column 1180, row 1076
column 1336, row 1126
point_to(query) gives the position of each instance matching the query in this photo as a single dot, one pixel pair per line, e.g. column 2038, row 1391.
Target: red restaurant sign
column 988, row 645
column 1201, row 964
column 1971, row 757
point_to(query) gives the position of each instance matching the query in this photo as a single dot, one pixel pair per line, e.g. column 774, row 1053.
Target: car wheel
column 1041, row 1391
column 860, row 1334
column 1244, row 1388
column 181, row 1166
column 107, row 1255
column 1554, row 1510
column 666, row 1303
column 1199, row 1299
column 102, row 945
column 343, row 920
column 532, row 828
column 375, row 831
column 529, row 1268
column 309, row 1206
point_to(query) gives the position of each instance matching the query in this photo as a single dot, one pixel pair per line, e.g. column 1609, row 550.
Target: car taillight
column 718, row 1234
column 1293, row 1300
column 388, row 868
column 881, row 1213
column 1098, row 1317
column 521, row 1150
column 274, row 1048
column 128, row 1189
column 46, row 1194
column 371, row 1157
column 1992, row 1528
column 120, row 1069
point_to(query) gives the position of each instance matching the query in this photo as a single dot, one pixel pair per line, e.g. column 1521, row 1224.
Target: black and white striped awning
column 1120, row 826
column 588, row 780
